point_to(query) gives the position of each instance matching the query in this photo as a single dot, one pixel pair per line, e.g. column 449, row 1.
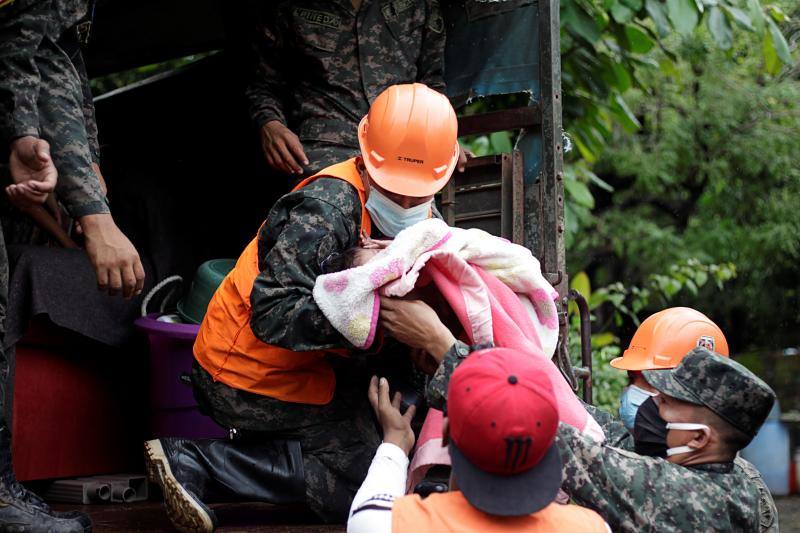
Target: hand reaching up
column 396, row 426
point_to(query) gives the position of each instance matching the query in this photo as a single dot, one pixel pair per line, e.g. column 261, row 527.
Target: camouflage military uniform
column 321, row 64
column 638, row 493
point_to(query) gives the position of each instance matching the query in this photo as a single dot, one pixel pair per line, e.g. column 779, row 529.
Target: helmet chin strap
column 685, row 426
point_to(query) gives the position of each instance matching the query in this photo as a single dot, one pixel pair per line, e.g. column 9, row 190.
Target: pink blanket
column 350, row 299
column 496, row 289
column 512, row 327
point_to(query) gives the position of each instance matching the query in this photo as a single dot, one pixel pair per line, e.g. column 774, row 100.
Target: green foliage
column 711, row 178
column 606, row 51
column 496, row 143
column 580, row 201
column 608, row 382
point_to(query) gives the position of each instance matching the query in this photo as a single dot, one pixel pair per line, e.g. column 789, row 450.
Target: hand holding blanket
column 351, row 301
column 495, row 288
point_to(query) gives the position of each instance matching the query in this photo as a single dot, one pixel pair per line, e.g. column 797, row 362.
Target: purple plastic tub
column 173, row 410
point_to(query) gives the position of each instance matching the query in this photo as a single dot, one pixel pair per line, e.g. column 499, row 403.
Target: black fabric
column 338, row 440
column 217, row 470
column 650, row 431
column 61, row 284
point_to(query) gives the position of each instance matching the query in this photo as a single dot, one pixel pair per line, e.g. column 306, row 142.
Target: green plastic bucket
column 192, row 308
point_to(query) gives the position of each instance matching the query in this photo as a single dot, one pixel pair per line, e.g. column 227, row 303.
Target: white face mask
column 391, row 218
column 687, row 426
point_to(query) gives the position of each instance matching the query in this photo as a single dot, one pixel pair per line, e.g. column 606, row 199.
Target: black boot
column 24, row 511
column 193, row 472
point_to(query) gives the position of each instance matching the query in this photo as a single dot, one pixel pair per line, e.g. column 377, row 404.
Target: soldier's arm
column 267, row 84
column 430, row 64
column 88, row 109
column 436, row 390
column 616, row 433
column 301, row 231
column 620, row 485
column 22, row 27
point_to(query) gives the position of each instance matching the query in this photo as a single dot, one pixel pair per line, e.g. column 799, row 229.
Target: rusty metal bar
column 562, row 357
column 553, row 278
column 506, row 197
column 507, row 119
column 478, row 215
column 584, row 373
column 517, row 199
column 482, row 161
column 480, row 187
column 552, row 157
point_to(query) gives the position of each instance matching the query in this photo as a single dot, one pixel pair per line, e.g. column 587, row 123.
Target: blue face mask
column 391, row 218
column 629, row 403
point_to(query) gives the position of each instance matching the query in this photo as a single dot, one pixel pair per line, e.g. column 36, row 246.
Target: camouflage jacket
column 44, row 92
column 616, row 433
column 303, row 228
column 638, row 493
column 321, row 63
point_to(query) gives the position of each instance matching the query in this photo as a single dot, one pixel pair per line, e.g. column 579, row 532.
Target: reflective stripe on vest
column 450, row 511
column 227, row 348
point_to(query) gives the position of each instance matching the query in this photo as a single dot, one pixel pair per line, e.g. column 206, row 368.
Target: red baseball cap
column 503, row 419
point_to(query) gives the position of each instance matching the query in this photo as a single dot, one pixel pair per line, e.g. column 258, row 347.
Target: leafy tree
column 607, row 49
column 712, row 177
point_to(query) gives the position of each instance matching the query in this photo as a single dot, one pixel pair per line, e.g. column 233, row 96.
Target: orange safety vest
column 451, row 511
column 227, row 348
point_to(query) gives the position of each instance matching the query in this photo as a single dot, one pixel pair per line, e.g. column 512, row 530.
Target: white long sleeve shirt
column 371, row 511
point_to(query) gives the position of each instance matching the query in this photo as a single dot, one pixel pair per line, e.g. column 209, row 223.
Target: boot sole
column 185, row 513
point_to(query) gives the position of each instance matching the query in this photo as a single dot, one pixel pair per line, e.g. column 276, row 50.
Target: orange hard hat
column 409, row 140
column 664, row 338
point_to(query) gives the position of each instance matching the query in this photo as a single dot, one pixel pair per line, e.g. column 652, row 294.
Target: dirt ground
column 789, row 513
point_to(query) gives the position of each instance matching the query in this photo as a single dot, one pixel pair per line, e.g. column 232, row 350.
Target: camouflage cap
column 719, row 383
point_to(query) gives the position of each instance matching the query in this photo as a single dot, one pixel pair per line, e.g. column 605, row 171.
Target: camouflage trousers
column 338, row 440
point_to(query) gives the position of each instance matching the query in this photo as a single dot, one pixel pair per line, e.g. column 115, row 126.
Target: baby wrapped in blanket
column 495, row 289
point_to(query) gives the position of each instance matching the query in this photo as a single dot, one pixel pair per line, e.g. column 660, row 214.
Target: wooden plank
column 507, row 119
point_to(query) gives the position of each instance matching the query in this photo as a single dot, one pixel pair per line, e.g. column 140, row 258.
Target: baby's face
column 364, row 255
